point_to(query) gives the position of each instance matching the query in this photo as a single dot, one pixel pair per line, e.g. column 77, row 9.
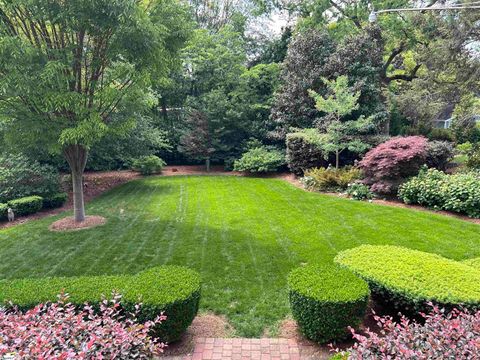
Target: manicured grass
column 243, row 235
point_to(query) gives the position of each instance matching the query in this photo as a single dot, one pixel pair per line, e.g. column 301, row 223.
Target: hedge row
column 435, row 189
column 326, row 300
column 173, row 290
column 408, row 279
column 32, row 204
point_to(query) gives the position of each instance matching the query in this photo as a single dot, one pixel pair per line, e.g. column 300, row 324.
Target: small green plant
column 407, row 279
column 359, row 191
column 55, row 200
column 330, row 179
column 326, row 300
column 27, row 205
column 173, row 290
column 473, row 157
column 260, row 159
column 148, row 165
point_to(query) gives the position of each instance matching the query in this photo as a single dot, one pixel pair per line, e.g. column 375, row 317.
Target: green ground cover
column 244, row 235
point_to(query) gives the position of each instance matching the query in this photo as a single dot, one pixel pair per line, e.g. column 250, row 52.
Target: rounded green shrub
column 148, row 165
column 325, row 301
column 260, row 159
column 407, row 279
column 55, row 200
column 173, row 290
column 27, row 205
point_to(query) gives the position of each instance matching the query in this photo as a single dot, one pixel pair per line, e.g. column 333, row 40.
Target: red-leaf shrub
column 59, row 331
column 389, row 164
column 453, row 335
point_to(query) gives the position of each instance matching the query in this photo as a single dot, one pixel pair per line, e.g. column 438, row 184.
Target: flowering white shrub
column 59, row 331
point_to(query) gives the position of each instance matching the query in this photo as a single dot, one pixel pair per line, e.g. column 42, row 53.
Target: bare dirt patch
column 205, row 325
column 69, row 223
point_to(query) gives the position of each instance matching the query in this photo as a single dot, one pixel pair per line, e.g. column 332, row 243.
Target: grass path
column 242, row 234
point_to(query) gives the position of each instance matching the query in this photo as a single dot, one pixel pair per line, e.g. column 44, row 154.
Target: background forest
column 240, row 76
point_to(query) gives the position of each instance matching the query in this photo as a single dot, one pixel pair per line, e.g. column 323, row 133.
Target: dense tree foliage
column 198, row 82
column 68, row 68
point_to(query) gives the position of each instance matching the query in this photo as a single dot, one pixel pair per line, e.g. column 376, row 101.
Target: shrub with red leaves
column 59, row 331
column 452, row 335
column 389, row 164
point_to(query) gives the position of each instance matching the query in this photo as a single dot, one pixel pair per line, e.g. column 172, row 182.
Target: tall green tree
column 340, row 133
column 68, row 67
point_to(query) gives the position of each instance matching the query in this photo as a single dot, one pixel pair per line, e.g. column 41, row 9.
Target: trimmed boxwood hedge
column 326, row 300
column 26, row 205
column 55, row 200
column 174, row 290
column 473, row 262
column 406, row 279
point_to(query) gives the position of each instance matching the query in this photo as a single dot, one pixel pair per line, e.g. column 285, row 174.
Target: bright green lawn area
column 242, row 234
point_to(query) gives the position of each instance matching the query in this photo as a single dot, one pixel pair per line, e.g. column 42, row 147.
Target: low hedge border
column 26, row 205
column 407, row 279
column 325, row 301
column 173, row 290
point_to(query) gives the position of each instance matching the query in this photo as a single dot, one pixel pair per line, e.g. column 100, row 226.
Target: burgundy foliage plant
column 389, row 164
column 442, row 335
column 59, row 331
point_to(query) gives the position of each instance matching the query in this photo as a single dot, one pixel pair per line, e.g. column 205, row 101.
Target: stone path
column 250, row 349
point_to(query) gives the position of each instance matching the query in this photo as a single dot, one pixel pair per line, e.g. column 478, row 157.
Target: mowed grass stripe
column 242, row 234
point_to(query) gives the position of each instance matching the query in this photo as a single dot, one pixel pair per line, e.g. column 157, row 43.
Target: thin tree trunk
column 337, row 159
column 207, row 164
column 76, row 156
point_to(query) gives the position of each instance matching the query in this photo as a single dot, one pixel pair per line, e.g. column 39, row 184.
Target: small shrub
column 408, row 279
column 321, row 179
column 441, row 335
column 27, row 205
column 55, row 200
column 58, row 331
column 325, row 301
column 260, row 159
column 358, row 191
column 21, row 177
column 437, row 134
column 439, row 154
column 303, row 152
column 389, row 164
column 437, row 190
column 173, row 290
column 148, row 165
column 473, row 157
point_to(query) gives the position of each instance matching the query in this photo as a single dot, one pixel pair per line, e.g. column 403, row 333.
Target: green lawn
column 242, row 234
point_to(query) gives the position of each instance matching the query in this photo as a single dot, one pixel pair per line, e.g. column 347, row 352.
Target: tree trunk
column 207, row 164
column 337, row 159
column 76, row 156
